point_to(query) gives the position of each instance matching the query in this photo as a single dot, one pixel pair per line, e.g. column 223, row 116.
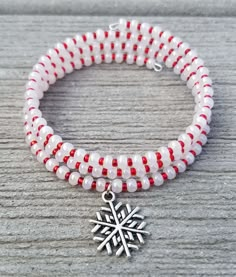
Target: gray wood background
column 44, row 228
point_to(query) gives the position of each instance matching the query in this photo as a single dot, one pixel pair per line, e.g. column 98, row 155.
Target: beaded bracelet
column 130, row 42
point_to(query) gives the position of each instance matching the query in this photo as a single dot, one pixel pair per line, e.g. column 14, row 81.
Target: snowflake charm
column 119, row 227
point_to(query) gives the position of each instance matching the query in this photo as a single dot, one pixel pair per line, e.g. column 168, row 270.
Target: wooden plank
column 122, row 7
column 44, row 228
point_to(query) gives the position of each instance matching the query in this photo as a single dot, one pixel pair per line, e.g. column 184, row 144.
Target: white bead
column 74, row 177
column 140, row 61
column 150, row 63
column 122, row 161
column 175, row 42
column 79, row 154
column 180, row 165
column 197, row 148
column 145, row 183
column 133, row 25
column 140, row 171
column 50, row 164
column 208, row 91
column 122, row 24
column 29, row 138
column 186, row 140
column 49, row 148
column 66, row 148
column 108, row 58
column 89, row 37
column 190, row 55
column 83, row 168
column 176, row 147
column 71, row 163
column 154, row 168
column 34, row 148
column 94, row 158
column 61, row 172
column 54, row 140
column 165, row 36
column 100, row 35
column 203, row 139
column 194, row 130
column 59, row 156
column 107, row 163
column 98, row 59
column 100, row 185
column 130, row 59
column 131, row 185
column 111, row 173
column 207, row 129
column 116, row 185
column 169, row 170
column 156, row 32
column 151, row 157
column 97, row 171
column 208, row 102
column 87, row 182
column 87, row 61
column 189, row 157
column 165, row 154
column 158, row 179
column 196, row 63
column 200, row 121
column 44, row 131
column 42, row 156
column 183, row 47
column 144, row 30
column 119, row 57
column 126, row 173
column 111, row 35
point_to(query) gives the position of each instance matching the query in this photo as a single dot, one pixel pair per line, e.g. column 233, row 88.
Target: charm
column 118, row 226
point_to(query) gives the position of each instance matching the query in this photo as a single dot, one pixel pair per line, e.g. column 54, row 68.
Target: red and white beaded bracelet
column 130, row 42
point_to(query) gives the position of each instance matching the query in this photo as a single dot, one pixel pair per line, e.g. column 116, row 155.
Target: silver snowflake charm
column 118, row 226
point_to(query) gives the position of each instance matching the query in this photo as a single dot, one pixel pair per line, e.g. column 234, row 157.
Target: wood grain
column 122, row 7
column 44, row 228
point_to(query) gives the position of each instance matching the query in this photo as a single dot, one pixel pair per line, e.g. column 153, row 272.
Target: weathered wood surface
column 121, row 7
column 44, row 228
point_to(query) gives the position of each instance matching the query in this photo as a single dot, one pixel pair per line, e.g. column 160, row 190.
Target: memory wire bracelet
column 132, row 42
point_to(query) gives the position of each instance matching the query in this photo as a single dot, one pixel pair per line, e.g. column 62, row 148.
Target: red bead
column 55, row 168
column 114, row 162
column 59, row 145
column 93, row 185
column 72, row 152
column 164, row 175
column 176, row 169
column 65, row 159
column 139, row 185
column 124, row 187
column 133, row 171
column 129, row 162
column 151, row 181
column 158, row 155
column 67, row 176
column 80, row 181
column 144, row 159
column 45, row 160
column 104, row 172
column 86, row 158
column 119, row 172
column 101, row 160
